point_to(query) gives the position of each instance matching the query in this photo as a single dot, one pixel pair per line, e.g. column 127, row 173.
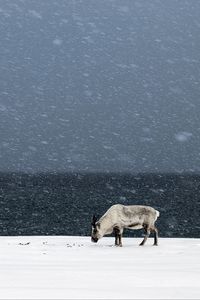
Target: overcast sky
column 100, row 85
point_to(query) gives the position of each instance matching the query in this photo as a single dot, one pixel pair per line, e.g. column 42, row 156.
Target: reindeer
column 120, row 216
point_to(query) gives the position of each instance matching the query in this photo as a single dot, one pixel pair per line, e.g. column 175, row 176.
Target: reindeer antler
column 94, row 219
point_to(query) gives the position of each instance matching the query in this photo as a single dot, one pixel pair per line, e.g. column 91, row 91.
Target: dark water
column 62, row 204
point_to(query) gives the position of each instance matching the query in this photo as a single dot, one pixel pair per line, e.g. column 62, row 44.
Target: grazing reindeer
column 120, row 216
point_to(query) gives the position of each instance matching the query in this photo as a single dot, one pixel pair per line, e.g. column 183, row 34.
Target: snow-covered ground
column 49, row 267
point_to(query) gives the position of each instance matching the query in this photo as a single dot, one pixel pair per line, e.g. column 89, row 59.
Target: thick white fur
column 121, row 216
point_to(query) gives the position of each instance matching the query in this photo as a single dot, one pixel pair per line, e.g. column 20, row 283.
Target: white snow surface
column 71, row 267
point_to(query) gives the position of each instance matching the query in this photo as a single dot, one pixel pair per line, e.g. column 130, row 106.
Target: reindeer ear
column 94, row 219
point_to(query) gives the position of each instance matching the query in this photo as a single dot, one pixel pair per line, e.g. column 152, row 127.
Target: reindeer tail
column 157, row 213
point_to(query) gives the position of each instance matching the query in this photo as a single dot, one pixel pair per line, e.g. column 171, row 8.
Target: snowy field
column 74, row 268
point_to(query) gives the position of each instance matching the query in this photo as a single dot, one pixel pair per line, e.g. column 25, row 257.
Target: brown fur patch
column 134, row 225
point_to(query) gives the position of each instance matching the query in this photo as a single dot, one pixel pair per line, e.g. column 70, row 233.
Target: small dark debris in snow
column 75, row 245
column 24, row 244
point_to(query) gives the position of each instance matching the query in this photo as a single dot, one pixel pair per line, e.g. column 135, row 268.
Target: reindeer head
column 95, row 236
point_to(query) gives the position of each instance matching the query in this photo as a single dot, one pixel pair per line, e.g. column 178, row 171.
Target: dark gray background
column 99, row 86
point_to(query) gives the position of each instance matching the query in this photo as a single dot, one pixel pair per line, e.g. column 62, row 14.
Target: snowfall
column 71, row 267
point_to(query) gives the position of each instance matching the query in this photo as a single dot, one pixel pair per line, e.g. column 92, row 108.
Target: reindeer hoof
column 155, row 244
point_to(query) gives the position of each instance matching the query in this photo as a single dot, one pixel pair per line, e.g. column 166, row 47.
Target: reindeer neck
column 106, row 223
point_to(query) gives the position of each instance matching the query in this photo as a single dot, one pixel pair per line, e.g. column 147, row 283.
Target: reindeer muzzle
column 94, row 240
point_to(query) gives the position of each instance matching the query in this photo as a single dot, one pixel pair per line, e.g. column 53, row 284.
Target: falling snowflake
column 183, row 136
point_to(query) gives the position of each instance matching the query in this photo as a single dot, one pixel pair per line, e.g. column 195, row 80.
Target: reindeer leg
column 116, row 240
column 116, row 230
column 118, row 237
column 147, row 233
column 155, row 230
